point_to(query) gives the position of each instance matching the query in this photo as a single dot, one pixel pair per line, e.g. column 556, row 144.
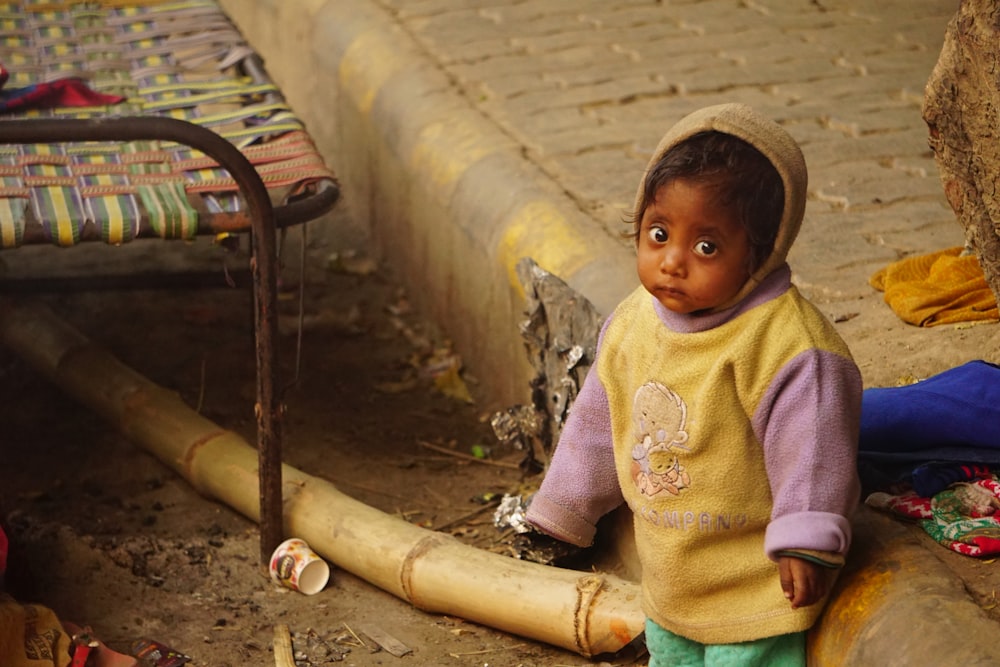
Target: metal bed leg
column 264, row 270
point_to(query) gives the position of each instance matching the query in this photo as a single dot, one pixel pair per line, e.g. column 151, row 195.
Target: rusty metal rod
column 263, row 267
column 308, row 207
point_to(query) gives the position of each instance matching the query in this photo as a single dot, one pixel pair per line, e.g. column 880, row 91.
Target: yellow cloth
column 31, row 636
column 943, row 287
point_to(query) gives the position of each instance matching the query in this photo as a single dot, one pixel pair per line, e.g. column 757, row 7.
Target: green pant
column 669, row 650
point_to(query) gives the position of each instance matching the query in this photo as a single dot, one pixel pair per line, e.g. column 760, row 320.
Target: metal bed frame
column 252, row 210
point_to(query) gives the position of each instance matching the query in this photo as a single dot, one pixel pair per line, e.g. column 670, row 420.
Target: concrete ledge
column 898, row 604
column 449, row 199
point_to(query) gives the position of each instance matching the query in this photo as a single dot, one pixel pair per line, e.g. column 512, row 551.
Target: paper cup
column 295, row 565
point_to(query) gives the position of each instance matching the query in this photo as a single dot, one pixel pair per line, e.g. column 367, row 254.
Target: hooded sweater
column 731, row 435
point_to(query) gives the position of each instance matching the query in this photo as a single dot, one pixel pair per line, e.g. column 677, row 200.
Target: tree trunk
column 962, row 112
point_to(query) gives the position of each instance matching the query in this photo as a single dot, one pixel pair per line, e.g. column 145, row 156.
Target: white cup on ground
column 295, row 565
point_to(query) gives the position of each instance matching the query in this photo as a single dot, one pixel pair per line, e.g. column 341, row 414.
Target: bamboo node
column 587, row 589
column 420, row 549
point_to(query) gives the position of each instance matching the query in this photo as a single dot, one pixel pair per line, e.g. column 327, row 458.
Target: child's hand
column 803, row 582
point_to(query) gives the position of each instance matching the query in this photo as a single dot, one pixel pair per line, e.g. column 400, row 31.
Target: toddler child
column 722, row 407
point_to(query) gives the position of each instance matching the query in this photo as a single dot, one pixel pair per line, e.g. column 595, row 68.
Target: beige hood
column 770, row 139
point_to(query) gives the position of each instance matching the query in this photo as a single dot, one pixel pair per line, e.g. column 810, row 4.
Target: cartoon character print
column 659, row 417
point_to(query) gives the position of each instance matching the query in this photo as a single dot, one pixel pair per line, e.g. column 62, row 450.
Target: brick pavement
column 587, row 88
column 469, row 133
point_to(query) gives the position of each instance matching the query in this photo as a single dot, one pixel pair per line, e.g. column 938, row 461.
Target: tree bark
column 962, row 112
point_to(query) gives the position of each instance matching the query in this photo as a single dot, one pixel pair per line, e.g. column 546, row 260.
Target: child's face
column 692, row 254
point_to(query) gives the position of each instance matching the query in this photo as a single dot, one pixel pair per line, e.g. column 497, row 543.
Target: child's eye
column 657, row 234
column 705, row 248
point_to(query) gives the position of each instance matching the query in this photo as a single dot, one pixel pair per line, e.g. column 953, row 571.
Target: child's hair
column 745, row 180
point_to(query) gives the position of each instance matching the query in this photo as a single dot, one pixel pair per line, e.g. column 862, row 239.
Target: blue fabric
column 667, row 649
column 932, row 478
column 952, row 417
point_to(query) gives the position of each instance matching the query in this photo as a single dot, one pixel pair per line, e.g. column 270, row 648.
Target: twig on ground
column 355, row 635
column 466, row 517
column 440, row 498
column 468, row 457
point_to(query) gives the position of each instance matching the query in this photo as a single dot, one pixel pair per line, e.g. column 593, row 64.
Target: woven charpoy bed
column 145, row 119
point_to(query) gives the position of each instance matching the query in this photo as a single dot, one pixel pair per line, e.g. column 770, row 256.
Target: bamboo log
column 589, row 613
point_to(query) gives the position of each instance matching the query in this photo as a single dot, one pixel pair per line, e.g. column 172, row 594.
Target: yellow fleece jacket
column 692, row 468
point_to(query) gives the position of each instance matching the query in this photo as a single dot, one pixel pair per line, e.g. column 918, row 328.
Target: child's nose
column 672, row 260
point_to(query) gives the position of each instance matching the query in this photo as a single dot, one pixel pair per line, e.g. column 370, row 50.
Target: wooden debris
column 467, row 457
column 283, row 647
column 386, row 641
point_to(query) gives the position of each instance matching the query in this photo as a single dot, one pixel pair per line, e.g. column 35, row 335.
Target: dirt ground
column 109, row 537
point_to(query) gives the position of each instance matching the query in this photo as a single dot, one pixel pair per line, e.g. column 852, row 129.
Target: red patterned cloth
column 907, row 504
column 68, row 92
column 963, row 517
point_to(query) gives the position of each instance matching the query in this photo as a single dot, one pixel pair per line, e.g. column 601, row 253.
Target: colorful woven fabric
column 962, row 523
column 178, row 59
column 906, row 504
column 944, row 287
column 962, row 518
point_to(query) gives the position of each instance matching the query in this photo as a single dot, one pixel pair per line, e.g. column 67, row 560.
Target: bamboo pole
column 589, row 613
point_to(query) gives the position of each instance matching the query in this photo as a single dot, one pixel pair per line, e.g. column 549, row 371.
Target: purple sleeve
column 581, row 484
column 809, row 423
